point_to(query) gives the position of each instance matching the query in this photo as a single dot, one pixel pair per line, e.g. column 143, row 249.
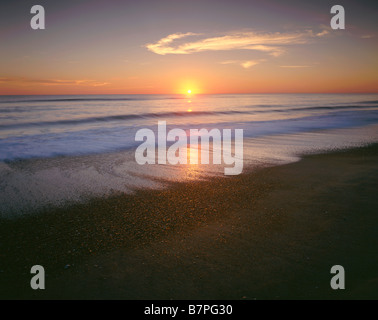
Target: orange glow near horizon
column 189, row 49
column 215, row 79
column 190, row 87
column 256, row 83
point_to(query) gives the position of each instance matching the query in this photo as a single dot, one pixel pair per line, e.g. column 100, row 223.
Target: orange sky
column 170, row 47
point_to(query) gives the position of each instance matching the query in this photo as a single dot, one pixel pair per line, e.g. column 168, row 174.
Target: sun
column 189, row 91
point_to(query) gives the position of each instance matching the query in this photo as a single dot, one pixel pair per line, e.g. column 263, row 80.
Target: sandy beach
column 188, row 150
column 270, row 234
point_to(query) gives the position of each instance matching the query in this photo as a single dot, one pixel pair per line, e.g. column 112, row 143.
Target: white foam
column 30, row 185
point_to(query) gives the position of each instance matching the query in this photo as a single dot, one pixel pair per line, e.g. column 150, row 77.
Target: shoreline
column 34, row 185
column 269, row 234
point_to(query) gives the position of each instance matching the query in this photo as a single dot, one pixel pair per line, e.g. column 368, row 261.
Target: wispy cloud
column 367, row 36
column 230, row 62
column 245, row 64
column 162, row 46
column 53, row 82
column 322, row 33
column 272, row 43
column 248, row 64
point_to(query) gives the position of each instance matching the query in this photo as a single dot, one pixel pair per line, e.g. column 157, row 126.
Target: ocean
column 56, row 150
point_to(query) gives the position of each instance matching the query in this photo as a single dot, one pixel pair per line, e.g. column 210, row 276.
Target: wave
column 369, row 101
column 118, row 137
column 112, row 98
column 136, row 98
column 178, row 114
column 119, row 117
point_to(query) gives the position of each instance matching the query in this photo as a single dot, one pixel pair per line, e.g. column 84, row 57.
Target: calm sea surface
column 57, row 150
column 47, row 126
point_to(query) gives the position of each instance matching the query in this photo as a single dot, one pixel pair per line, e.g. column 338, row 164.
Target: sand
column 271, row 234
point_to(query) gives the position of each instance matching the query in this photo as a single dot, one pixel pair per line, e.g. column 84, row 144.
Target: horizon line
column 183, row 94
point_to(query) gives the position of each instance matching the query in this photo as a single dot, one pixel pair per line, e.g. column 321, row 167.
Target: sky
column 169, row 47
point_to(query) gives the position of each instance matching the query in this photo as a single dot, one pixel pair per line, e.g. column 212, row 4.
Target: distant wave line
column 88, row 99
column 171, row 114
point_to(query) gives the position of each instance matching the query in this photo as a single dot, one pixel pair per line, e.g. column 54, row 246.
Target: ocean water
column 56, row 150
column 49, row 126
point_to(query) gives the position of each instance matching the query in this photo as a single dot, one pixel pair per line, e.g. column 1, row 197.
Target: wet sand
column 270, row 234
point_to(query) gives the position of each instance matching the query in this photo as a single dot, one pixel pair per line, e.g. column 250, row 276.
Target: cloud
column 367, row 36
column 161, row 47
column 273, row 51
column 229, row 62
column 248, row 64
column 323, row 33
column 267, row 42
column 53, row 82
column 245, row 64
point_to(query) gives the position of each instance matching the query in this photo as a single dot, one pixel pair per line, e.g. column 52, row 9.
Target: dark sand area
column 270, row 234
